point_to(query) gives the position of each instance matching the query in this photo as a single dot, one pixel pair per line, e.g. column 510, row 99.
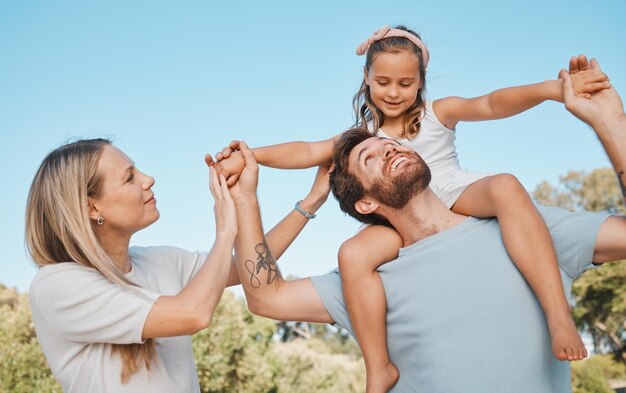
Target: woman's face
column 126, row 200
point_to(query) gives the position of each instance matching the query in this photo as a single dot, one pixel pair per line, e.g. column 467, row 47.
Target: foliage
column 24, row 367
column 243, row 353
column 309, row 366
column 595, row 191
column 592, row 375
column 231, row 354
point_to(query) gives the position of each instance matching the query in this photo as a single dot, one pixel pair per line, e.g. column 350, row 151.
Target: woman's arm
column 513, row 100
column 192, row 308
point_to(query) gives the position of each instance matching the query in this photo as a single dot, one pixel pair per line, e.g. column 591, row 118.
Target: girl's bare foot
column 382, row 379
column 566, row 342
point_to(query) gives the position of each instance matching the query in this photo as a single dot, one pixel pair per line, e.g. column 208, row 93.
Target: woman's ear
column 366, row 205
column 365, row 76
column 92, row 209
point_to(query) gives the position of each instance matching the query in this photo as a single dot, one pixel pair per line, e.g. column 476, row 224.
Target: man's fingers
column 234, row 145
column 573, row 65
column 248, row 156
column 595, row 65
column 226, row 152
column 583, row 63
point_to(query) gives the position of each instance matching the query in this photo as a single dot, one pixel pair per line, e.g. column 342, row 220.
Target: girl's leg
column 359, row 257
column 529, row 244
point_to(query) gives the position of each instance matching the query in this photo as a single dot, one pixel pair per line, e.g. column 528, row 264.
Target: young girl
column 390, row 104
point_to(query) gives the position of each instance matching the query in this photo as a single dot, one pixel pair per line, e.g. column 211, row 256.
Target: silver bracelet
column 305, row 213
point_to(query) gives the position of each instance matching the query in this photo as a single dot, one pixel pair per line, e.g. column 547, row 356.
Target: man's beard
column 397, row 192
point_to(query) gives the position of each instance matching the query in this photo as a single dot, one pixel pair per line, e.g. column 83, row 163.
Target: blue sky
column 169, row 81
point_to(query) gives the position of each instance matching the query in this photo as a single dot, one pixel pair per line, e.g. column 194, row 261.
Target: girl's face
column 394, row 82
column 126, row 200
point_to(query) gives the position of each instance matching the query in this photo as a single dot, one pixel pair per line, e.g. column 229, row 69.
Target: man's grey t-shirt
column 461, row 317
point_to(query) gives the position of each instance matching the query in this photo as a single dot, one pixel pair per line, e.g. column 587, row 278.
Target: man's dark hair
column 344, row 185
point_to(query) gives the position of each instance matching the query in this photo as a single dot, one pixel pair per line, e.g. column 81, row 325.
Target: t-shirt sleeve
column 574, row 235
column 328, row 286
column 79, row 304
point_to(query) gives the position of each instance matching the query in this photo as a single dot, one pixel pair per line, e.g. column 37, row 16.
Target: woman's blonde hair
column 58, row 228
column 366, row 112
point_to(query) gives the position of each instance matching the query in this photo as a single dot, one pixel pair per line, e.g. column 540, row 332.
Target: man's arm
column 280, row 237
column 604, row 112
column 267, row 293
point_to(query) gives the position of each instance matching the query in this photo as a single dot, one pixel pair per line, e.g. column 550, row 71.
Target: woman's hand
column 224, row 207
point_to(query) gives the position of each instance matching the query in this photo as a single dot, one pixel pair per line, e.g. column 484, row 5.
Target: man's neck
column 422, row 217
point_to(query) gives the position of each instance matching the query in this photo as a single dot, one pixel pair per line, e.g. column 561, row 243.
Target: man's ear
column 93, row 210
column 366, row 205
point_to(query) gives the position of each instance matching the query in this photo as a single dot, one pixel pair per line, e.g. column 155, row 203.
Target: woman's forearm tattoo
column 620, row 180
column 264, row 261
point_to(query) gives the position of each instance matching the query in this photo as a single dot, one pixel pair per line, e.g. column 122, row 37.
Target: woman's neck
column 116, row 248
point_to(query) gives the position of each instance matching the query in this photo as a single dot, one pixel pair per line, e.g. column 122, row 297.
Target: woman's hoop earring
column 100, row 220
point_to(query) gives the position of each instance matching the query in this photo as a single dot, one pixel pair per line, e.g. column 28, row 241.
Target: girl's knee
column 506, row 185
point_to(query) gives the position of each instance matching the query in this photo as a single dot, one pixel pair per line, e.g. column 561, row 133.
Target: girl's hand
column 230, row 163
column 225, row 153
column 224, row 207
column 231, row 167
column 589, row 81
column 585, row 78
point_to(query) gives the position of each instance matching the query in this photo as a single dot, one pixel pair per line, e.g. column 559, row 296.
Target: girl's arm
column 291, row 155
column 296, row 155
column 192, row 308
column 513, row 100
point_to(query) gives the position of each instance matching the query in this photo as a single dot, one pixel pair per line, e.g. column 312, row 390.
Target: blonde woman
column 114, row 318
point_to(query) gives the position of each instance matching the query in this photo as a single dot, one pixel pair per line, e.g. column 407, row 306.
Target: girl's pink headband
column 386, row 32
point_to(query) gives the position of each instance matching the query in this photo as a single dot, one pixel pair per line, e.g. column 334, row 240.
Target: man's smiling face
column 389, row 172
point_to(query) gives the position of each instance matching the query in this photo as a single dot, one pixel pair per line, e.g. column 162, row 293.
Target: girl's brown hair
column 366, row 113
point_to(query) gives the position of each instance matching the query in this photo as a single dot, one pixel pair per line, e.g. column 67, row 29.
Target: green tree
column 240, row 352
column 592, row 375
column 232, row 355
column 600, row 295
column 310, row 366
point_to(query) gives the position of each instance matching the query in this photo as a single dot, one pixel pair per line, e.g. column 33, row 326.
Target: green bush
column 24, row 366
